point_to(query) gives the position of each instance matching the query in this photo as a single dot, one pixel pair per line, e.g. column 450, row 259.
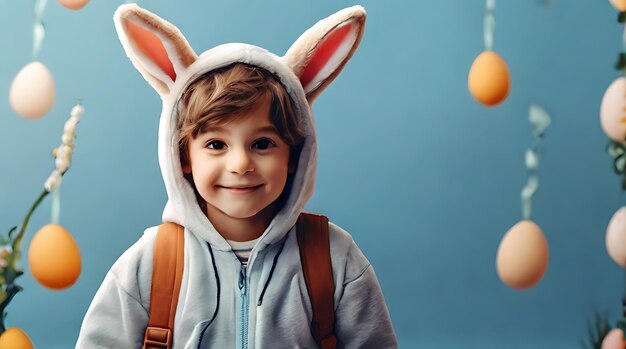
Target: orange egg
column 522, row 255
column 488, row 79
column 619, row 5
column 54, row 258
column 14, row 338
column 73, row 4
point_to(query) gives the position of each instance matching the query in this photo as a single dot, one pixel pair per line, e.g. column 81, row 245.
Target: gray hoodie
column 223, row 304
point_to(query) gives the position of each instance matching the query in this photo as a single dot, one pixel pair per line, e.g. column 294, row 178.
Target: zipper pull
column 242, row 278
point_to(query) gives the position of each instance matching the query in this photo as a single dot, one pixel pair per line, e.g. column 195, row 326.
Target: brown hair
column 225, row 94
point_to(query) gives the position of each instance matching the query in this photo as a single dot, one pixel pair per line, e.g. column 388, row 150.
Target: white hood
column 163, row 56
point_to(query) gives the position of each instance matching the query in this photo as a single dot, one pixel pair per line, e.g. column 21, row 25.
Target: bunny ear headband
column 163, row 56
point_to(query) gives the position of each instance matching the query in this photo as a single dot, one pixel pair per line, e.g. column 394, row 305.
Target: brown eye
column 217, row 145
column 263, row 144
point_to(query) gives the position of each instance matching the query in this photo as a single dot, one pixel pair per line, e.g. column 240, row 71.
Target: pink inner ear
column 324, row 52
column 151, row 46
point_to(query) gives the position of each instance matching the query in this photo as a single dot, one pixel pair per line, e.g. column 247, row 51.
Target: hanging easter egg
column 613, row 110
column 614, row 339
column 616, row 237
column 15, row 338
column 32, row 91
column 488, row 79
column 522, row 256
column 54, row 258
column 619, row 5
column 73, row 4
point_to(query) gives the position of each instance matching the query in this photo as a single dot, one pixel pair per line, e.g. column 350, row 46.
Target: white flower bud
column 62, row 164
column 77, row 111
column 67, row 138
column 65, row 150
column 63, row 154
column 53, row 181
column 70, row 126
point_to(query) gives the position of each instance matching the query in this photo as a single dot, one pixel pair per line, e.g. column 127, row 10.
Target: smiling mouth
column 241, row 190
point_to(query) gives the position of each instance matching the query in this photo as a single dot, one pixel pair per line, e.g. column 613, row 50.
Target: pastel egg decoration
column 613, row 110
column 619, row 5
column 32, row 91
column 616, row 237
column 614, row 339
column 489, row 79
column 523, row 256
column 73, row 4
column 54, row 258
column 15, row 338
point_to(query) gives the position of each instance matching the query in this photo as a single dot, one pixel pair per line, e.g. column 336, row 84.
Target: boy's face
column 239, row 168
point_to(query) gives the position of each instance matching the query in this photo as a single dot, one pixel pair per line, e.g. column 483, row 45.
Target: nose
column 239, row 161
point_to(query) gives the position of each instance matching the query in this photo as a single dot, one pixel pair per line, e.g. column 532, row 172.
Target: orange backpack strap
column 314, row 244
column 167, row 274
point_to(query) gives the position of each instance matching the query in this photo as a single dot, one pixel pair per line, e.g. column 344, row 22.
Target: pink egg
column 614, row 340
column 613, row 110
column 73, row 4
column 32, row 91
column 616, row 237
column 522, row 255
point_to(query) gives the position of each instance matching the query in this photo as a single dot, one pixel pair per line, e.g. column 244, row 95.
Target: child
column 238, row 154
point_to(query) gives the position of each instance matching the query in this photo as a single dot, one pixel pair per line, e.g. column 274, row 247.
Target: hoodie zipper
column 243, row 287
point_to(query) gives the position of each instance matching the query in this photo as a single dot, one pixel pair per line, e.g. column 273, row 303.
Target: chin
column 241, row 213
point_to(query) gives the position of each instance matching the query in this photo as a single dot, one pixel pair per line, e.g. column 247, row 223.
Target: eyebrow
column 266, row 128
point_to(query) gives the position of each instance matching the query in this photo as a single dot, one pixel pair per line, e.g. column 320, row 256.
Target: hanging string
column 490, row 24
column 55, row 211
column 624, row 40
column 39, row 31
column 540, row 120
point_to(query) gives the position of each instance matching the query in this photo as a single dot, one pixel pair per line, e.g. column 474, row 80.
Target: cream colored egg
column 53, row 257
column 73, row 4
column 619, row 5
column 613, row 110
column 32, row 92
column 616, row 237
column 523, row 255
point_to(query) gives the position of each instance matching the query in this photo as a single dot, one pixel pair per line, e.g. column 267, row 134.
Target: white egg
column 613, row 110
column 32, row 92
column 616, row 237
column 522, row 255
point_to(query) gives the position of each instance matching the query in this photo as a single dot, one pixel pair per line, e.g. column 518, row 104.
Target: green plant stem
column 15, row 246
column 12, row 290
column 18, row 239
column 12, row 272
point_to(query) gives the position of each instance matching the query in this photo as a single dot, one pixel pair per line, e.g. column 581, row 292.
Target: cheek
column 204, row 171
column 279, row 172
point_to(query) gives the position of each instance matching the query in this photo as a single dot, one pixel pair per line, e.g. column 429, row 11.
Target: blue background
column 425, row 179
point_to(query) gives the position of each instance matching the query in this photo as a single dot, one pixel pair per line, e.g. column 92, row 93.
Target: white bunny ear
column 157, row 48
column 320, row 53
